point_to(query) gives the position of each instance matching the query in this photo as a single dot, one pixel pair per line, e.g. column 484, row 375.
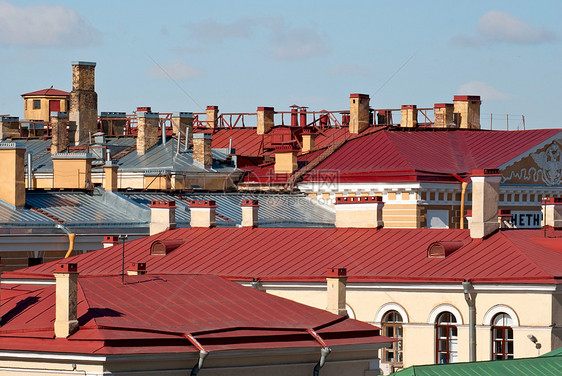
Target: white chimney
column 162, row 216
column 203, row 213
column 66, row 321
column 249, row 213
column 359, row 212
column 552, row 212
column 485, row 194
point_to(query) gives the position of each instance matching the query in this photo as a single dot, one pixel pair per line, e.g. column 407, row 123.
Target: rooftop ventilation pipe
column 336, row 280
column 29, row 170
column 470, row 297
column 162, row 216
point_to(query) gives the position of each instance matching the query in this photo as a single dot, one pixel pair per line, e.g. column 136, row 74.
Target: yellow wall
column 42, row 113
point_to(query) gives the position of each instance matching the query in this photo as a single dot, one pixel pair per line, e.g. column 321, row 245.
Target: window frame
column 397, row 347
column 449, row 325
column 36, row 104
column 504, row 340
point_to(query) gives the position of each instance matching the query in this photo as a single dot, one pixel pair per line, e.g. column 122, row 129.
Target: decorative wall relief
column 541, row 167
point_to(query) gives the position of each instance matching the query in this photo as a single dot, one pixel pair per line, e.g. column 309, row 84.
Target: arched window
column 392, row 327
column 446, row 338
column 502, row 337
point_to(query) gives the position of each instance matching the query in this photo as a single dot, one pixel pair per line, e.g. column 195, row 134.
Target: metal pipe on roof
column 463, row 194
column 470, row 296
column 324, row 352
column 29, row 171
column 163, row 133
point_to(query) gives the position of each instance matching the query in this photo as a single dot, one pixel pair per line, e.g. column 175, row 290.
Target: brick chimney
column 59, row 135
column 467, row 111
column 409, row 113
column 552, row 212
column 308, row 140
column 265, row 119
column 285, row 159
column 113, row 123
column 9, row 127
column 66, row 321
column 136, row 268
column 182, row 122
column 111, row 181
column 359, row 212
column 72, row 170
column 110, row 241
column 12, row 184
column 249, row 213
column 336, row 280
column 162, row 216
column 147, row 130
column 212, row 116
column 485, row 194
column 83, row 100
column 202, row 149
column 358, row 113
column 443, row 115
column 203, row 213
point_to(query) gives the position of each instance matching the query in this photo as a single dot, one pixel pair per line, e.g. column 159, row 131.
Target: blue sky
column 245, row 54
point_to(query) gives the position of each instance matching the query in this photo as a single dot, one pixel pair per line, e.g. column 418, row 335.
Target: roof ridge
column 525, row 254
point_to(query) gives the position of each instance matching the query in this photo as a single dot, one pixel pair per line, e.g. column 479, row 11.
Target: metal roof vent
column 443, row 249
column 163, row 247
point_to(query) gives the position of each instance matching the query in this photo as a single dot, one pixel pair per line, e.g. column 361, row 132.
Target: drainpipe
column 464, row 184
column 202, row 354
column 470, row 296
column 71, row 238
column 324, row 351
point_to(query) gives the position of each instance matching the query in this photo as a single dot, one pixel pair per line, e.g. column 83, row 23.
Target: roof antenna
column 123, row 238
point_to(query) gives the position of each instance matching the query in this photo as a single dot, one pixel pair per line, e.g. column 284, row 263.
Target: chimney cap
column 359, row 200
column 201, row 135
column 110, row 114
column 183, row 114
column 286, row 147
column 409, row 106
column 552, row 201
column 266, row 109
column 163, row 204
column 11, row 145
column 309, row 130
column 114, row 239
column 89, row 63
column 137, row 267
column 58, row 114
column 72, row 156
column 442, row 105
column 202, row 204
column 212, row 107
column 357, row 95
column 470, row 98
column 485, row 172
column 10, row 118
column 504, row 213
column 249, row 202
column 66, row 268
column 336, row 272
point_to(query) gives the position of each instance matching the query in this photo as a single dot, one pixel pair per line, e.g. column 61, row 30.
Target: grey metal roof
column 276, row 210
column 24, row 217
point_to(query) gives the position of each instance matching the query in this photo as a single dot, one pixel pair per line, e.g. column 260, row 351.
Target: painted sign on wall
column 526, row 219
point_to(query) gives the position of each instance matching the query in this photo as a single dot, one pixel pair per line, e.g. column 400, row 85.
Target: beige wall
column 534, row 311
column 42, row 113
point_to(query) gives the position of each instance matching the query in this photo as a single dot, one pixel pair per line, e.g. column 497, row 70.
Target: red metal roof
column 156, row 313
column 401, row 155
column 525, row 256
column 44, row 92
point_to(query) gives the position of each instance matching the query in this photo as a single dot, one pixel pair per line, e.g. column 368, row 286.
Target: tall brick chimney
column 59, row 135
column 66, row 321
column 202, row 152
column 485, row 195
column 182, row 122
column 12, row 184
column 467, row 111
column 203, row 213
column 162, row 216
column 212, row 116
column 147, row 130
column 358, row 113
column 336, row 280
column 443, row 115
column 359, row 212
column 249, row 213
column 409, row 113
column 552, row 212
column 265, row 119
column 83, row 100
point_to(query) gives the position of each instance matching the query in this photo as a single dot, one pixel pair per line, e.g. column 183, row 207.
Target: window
column 36, row 104
column 392, row 327
column 502, row 337
column 446, row 338
column 32, row 261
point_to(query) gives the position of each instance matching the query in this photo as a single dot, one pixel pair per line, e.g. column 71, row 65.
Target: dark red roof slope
column 392, row 155
column 157, row 313
column 47, row 92
column 523, row 256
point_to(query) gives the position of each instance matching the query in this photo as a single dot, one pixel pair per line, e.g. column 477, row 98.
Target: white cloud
column 212, row 31
column 501, row 27
column 287, row 43
column 177, row 70
column 504, row 27
column 486, row 92
column 44, row 25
